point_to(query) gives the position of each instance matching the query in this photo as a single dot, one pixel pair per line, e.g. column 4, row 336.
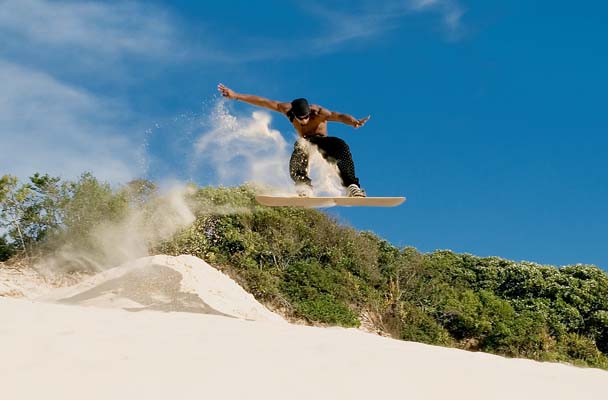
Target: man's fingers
column 362, row 121
column 223, row 90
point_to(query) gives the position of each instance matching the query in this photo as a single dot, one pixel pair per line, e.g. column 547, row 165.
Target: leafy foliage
column 304, row 262
column 7, row 250
column 312, row 268
column 46, row 212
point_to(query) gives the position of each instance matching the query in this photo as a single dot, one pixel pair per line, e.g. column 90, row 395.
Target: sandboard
column 295, row 201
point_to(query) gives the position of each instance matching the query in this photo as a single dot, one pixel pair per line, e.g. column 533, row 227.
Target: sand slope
column 55, row 351
column 196, row 334
column 165, row 283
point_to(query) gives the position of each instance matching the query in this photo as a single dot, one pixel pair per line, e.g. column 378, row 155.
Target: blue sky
column 488, row 116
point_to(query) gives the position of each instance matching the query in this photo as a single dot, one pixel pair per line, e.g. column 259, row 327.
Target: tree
column 43, row 211
column 11, row 208
column 140, row 191
column 7, row 250
column 92, row 202
column 31, row 211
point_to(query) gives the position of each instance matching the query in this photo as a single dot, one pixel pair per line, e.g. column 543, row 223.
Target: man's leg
column 298, row 167
column 336, row 150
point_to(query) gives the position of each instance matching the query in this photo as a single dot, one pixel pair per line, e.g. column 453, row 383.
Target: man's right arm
column 252, row 99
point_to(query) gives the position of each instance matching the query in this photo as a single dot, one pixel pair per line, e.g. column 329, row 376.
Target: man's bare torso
column 317, row 124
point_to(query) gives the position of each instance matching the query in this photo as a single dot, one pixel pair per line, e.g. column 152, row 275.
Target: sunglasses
column 303, row 117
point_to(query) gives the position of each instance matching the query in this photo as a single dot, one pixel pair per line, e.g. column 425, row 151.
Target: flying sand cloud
column 242, row 149
column 235, row 149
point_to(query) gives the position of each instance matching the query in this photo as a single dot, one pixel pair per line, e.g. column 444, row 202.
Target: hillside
column 312, row 269
column 172, row 326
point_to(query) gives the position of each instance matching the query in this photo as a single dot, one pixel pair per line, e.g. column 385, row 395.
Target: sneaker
column 304, row 190
column 355, row 191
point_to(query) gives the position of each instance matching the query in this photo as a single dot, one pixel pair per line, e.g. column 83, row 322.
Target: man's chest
column 311, row 127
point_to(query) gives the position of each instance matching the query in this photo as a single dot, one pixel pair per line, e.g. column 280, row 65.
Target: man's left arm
column 344, row 118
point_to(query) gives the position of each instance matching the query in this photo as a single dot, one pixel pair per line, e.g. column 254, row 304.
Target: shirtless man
column 310, row 121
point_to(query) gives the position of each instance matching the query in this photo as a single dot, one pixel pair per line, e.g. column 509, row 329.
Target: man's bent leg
column 298, row 167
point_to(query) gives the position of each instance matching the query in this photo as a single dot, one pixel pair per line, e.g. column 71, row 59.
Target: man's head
column 300, row 109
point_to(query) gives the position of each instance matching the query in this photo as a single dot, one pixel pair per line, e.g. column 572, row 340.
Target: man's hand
column 226, row 92
column 360, row 122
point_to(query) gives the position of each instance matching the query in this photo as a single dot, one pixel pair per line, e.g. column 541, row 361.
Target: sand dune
column 165, row 283
column 213, row 340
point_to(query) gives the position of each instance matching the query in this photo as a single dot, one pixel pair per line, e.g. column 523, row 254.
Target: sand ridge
column 165, row 283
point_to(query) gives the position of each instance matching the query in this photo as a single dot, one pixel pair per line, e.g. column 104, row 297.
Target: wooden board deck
column 294, row 201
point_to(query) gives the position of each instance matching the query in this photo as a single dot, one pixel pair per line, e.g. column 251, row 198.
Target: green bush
column 581, row 350
column 418, row 326
column 320, row 293
column 313, row 268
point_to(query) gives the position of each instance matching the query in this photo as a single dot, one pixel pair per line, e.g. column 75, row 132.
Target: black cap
column 300, row 108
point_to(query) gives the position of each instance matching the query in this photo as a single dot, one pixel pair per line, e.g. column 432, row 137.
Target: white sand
column 60, row 351
column 165, row 283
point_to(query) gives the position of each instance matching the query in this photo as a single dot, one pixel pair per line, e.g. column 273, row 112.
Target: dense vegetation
column 304, row 263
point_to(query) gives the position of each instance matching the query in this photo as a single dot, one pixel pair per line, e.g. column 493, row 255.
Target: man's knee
column 298, row 166
column 298, row 172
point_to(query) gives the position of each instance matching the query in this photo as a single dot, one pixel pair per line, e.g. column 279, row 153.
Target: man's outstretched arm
column 252, row 99
column 345, row 118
